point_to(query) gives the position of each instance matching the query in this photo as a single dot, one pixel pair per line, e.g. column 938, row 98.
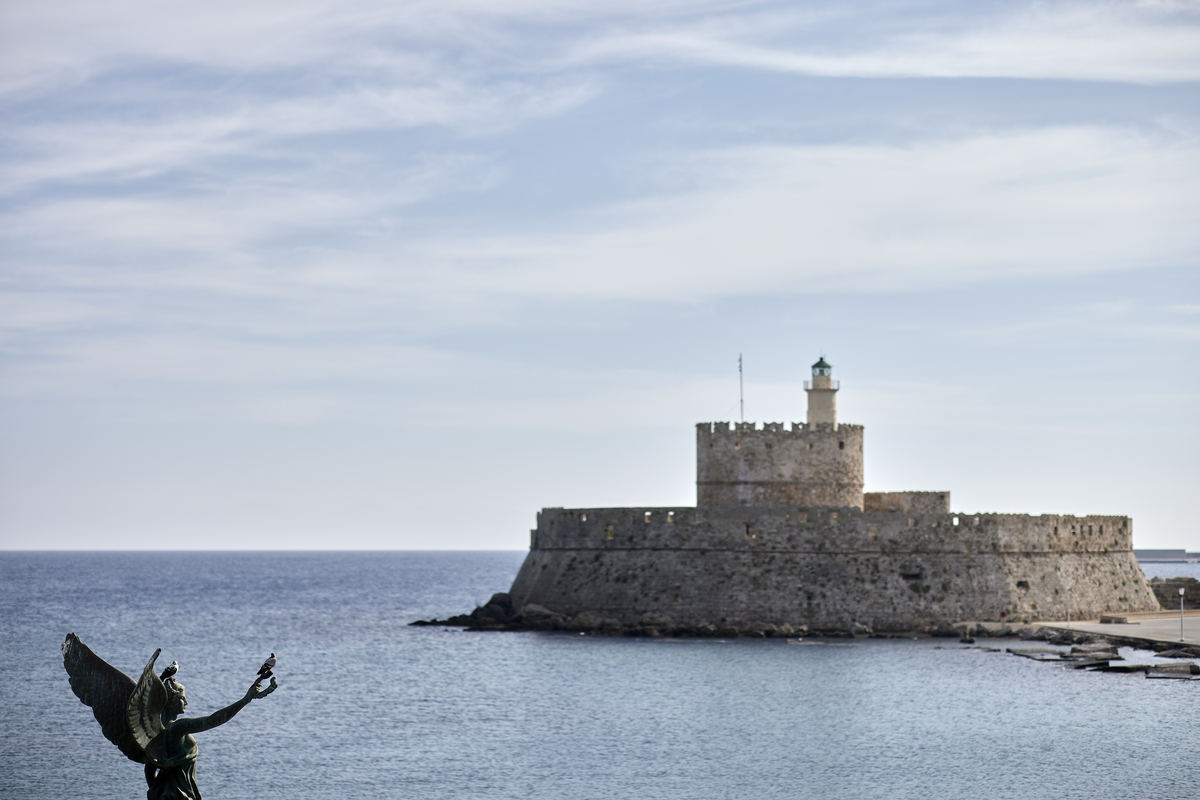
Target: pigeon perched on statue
column 169, row 672
column 264, row 671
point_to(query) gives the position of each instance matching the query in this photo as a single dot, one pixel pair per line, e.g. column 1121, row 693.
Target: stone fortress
column 784, row 540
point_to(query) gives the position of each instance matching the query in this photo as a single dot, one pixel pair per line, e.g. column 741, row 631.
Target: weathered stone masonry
column 783, row 535
column 826, row 568
column 806, row 465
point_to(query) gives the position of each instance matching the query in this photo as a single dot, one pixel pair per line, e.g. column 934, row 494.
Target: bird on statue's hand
column 264, row 671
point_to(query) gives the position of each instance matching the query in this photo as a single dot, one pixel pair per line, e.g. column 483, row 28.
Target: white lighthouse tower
column 822, row 394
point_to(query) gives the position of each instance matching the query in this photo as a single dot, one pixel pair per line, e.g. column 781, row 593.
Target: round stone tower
column 815, row 464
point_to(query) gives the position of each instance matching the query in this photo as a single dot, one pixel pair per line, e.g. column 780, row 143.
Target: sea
column 371, row 707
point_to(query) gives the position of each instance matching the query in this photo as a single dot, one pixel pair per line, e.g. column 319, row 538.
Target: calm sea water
column 371, row 708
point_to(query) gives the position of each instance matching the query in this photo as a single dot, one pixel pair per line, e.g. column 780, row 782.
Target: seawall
column 827, row 569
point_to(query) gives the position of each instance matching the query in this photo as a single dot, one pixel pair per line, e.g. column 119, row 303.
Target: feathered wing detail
column 106, row 690
column 144, row 710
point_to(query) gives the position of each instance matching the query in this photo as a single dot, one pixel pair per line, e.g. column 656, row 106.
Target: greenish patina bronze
column 144, row 718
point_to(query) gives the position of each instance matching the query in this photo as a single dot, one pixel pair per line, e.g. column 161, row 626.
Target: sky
column 380, row 275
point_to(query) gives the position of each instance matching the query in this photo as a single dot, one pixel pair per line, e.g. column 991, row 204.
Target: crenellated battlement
column 776, row 463
column 823, row 529
column 717, row 429
column 906, row 501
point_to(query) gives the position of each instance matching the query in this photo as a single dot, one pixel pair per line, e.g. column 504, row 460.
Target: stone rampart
column 776, row 464
column 937, row 502
column 833, row 529
column 1167, row 592
column 827, row 568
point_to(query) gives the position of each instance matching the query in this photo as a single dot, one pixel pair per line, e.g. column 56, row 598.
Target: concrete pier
column 1149, row 628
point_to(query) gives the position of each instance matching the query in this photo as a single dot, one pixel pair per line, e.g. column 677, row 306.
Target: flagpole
column 741, row 392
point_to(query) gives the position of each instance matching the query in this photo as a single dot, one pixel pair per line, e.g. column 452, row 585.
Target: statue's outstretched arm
column 198, row 724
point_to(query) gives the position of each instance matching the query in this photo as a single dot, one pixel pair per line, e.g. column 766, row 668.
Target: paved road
column 1162, row 626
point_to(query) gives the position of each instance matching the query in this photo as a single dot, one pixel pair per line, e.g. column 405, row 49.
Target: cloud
column 86, row 150
column 745, row 220
column 1138, row 43
column 262, row 84
column 75, row 41
column 854, row 218
column 1123, row 41
column 205, row 375
column 1097, row 322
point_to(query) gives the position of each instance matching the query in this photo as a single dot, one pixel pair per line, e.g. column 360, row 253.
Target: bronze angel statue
column 144, row 719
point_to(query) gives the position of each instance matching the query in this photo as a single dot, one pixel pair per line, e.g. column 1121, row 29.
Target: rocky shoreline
column 1072, row 649
column 499, row 614
column 1098, row 654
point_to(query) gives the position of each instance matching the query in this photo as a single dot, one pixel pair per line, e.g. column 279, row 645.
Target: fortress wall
column 825, row 529
column 826, row 568
column 801, row 465
column 907, row 501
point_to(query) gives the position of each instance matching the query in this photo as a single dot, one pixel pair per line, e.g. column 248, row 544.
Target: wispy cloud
column 245, row 77
column 1120, row 320
column 1141, row 43
column 871, row 218
column 764, row 219
column 248, row 209
column 75, row 41
column 1124, row 41
column 83, row 150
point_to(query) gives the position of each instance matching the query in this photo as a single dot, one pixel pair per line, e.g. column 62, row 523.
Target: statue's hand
column 256, row 692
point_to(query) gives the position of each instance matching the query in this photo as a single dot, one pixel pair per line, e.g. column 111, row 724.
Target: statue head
column 176, row 698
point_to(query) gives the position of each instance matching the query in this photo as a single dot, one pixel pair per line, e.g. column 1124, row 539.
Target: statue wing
column 106, row 690
column 143, row 712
